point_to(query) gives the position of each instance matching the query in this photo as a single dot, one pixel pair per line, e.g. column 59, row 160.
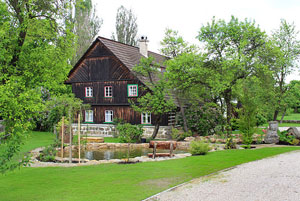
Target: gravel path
column 275, row 178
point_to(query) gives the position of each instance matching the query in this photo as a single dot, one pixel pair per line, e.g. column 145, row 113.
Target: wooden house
column 103, row 78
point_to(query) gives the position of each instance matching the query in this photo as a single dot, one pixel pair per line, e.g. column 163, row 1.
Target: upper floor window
column 89, row 116
column 88, row 91
column 146, row 118
column 108, row 91
column 132, row 90
column 109, row 116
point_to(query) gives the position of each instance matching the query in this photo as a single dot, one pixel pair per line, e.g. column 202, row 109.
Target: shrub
column 204, row 119
column 179, row 135
column 230, row 144
column 130, row 133
column 48, row 154
column 285, row 138
column 199, row 148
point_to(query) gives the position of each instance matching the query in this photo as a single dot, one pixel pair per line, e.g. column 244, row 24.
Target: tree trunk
column 156, row 128
column 283, row 115
column 185, row 127
column 227, row 98
column 275, row 115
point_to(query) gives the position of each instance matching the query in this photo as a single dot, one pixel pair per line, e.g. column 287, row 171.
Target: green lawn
column 36, row 139
column 114, row 181
column 292, row 116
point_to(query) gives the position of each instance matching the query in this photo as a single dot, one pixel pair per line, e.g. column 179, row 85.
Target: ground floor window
column 146, row 118
column 108, row 116
column 89, row 116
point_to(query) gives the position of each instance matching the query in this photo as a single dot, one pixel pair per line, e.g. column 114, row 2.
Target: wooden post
column 62, row 137
column 154, row 150
column 79, row 138
column 171, row 149
column 70, row 135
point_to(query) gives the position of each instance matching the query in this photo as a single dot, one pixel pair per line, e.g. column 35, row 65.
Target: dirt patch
column 161, row 182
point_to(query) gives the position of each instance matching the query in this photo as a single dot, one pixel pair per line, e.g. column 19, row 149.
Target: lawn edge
column 213, row 173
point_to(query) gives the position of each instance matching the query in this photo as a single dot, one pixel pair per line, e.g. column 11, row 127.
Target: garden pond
column 116, row 153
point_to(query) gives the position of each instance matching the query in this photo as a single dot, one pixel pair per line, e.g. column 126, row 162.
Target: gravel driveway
column 275, row 178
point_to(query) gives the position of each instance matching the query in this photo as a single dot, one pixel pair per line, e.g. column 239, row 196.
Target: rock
column 189, row 139
column 294, row 131
column 271, row 136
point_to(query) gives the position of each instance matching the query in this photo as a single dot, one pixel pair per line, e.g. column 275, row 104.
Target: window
column 88, row 91
column 132, row 90
column 108, row 91
column 146, row 118
column 108, row 116
column 89, row 116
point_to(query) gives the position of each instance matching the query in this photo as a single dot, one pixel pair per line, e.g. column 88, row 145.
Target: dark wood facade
column 100, row 67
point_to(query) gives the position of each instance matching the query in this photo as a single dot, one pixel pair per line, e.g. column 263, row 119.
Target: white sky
column 153, row 17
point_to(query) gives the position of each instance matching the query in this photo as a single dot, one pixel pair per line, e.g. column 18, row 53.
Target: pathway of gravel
column 275, row 178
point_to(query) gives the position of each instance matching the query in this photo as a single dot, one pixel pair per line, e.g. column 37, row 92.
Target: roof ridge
column 100, row 37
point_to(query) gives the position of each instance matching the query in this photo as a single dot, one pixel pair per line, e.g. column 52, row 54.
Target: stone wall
column 109, row 130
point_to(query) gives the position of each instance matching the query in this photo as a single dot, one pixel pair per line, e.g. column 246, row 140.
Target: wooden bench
column 93, row 139
column 171, row 145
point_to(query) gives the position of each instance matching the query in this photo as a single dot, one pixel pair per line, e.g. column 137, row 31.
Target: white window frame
column 88, row 91
column 132, row 90
column 109, row 115
column 146, row 118
column 108, row 91
column 89, row 116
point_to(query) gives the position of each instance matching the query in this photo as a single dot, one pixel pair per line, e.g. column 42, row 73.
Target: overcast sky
column 187, row 16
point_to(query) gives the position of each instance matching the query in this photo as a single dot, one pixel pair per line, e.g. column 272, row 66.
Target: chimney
column 143, row 46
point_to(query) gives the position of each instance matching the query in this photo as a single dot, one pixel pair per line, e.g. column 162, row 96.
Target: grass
column 34, row 140
column 292, row 116
column 114, row 181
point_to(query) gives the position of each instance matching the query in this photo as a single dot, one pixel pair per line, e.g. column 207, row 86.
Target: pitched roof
column 129, row 55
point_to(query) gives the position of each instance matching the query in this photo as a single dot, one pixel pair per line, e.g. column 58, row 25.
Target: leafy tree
column 233, row 53
column 288, row 44
column 86, row 26
column 126, row 27
column 174, row 46
column 35, row 51
column 156, row 100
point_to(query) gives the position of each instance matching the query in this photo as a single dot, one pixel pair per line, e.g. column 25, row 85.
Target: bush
column 179, row 135
column 230, row 144
column 199, row 148
column 130, row 133
column 204, row 119
column 285, row 138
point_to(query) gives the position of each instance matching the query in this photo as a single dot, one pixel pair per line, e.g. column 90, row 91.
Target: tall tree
column 86, row 26
column 286, row 40
column 126, row 27
column 156, row 101
column 233, row 53
column 35, row 48
column 173, row 46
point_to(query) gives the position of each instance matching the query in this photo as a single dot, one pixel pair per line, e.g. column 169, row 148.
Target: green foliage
column 35, row 48
column 287, row 44
column 86, row 26
column 285, row 138
column 205, row 119
column 174, row 45
column 229, row 144
column 130, row 133
column 199, row 148
column 56, row 108
column 157, row 99
column 48, row 154
column 126, row 27
column 179, row 135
